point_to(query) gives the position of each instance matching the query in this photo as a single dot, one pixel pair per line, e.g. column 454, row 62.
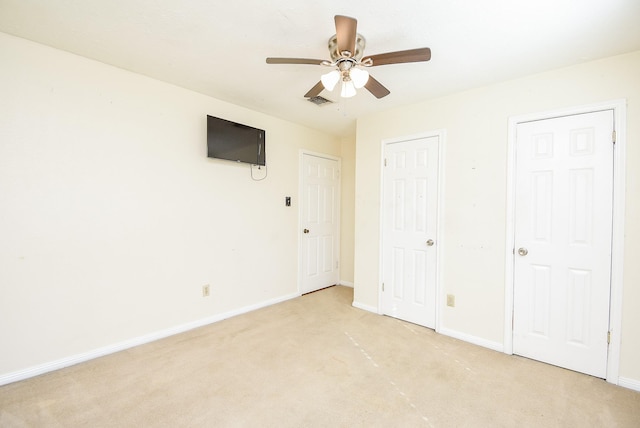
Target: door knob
column 306, row 231
column 523, row 251
column 430, row 242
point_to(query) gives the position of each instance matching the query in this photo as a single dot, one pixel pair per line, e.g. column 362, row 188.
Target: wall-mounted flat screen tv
column 235, row 141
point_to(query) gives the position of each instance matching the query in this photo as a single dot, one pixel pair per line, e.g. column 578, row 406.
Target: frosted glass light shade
column 359, row 77
column 330, row 79
column 348, row 89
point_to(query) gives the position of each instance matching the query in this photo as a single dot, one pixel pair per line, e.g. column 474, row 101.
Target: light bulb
column 348, row 90
column 330, row 79
column 359, row 77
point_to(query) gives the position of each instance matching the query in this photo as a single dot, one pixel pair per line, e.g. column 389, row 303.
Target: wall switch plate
column 451, row 300
column 205, row 290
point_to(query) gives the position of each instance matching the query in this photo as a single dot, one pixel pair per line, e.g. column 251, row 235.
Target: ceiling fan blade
column 315, row 91
column 294, row 61
column 376, row 88
column 346, row 34
column 411, row 55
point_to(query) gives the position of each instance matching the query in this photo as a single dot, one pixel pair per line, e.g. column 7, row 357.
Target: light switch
column 451, row 300
column 287, row 201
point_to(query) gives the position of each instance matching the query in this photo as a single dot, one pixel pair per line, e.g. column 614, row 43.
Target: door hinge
column 613, row 136
column 385, row 161
column 608, row 337
column 383, row 286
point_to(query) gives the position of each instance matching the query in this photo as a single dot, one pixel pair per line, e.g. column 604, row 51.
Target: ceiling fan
column 346, row 48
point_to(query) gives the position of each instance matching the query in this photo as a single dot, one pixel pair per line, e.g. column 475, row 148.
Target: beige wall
column 347, row 208
column 112, row 216
column 476, row 124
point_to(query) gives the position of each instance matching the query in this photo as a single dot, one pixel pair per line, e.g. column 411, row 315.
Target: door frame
column 441, row 134
column 617, row 243
column 301, row 155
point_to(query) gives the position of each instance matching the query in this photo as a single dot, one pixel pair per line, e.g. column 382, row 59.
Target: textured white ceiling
column 219, row 48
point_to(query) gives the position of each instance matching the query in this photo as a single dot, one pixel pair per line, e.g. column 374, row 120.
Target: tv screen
column 235, row 141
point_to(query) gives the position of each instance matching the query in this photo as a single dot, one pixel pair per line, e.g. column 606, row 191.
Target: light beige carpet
column 315, row 361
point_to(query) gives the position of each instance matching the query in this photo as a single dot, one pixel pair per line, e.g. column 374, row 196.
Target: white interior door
column 410, row 182
column 563, row 232
column 319, row 222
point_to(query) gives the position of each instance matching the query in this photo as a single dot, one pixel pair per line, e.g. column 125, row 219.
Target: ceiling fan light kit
column 348, row 89
column 352, row 79
column 346, row 49
column 330, row 79
column 359, row 77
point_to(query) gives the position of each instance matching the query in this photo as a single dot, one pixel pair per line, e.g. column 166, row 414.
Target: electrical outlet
column 451, row 300
column 205, row 290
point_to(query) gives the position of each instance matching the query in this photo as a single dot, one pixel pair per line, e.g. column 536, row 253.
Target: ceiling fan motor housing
column 336, row 55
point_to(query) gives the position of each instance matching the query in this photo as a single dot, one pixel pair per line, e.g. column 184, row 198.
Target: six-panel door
column 563, row 229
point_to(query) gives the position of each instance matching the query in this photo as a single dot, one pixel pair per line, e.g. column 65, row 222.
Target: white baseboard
column 364, row 307
column 629, row 383
column 622, row 381
column 346, row 283
column 136, row 341
column 496, row 346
